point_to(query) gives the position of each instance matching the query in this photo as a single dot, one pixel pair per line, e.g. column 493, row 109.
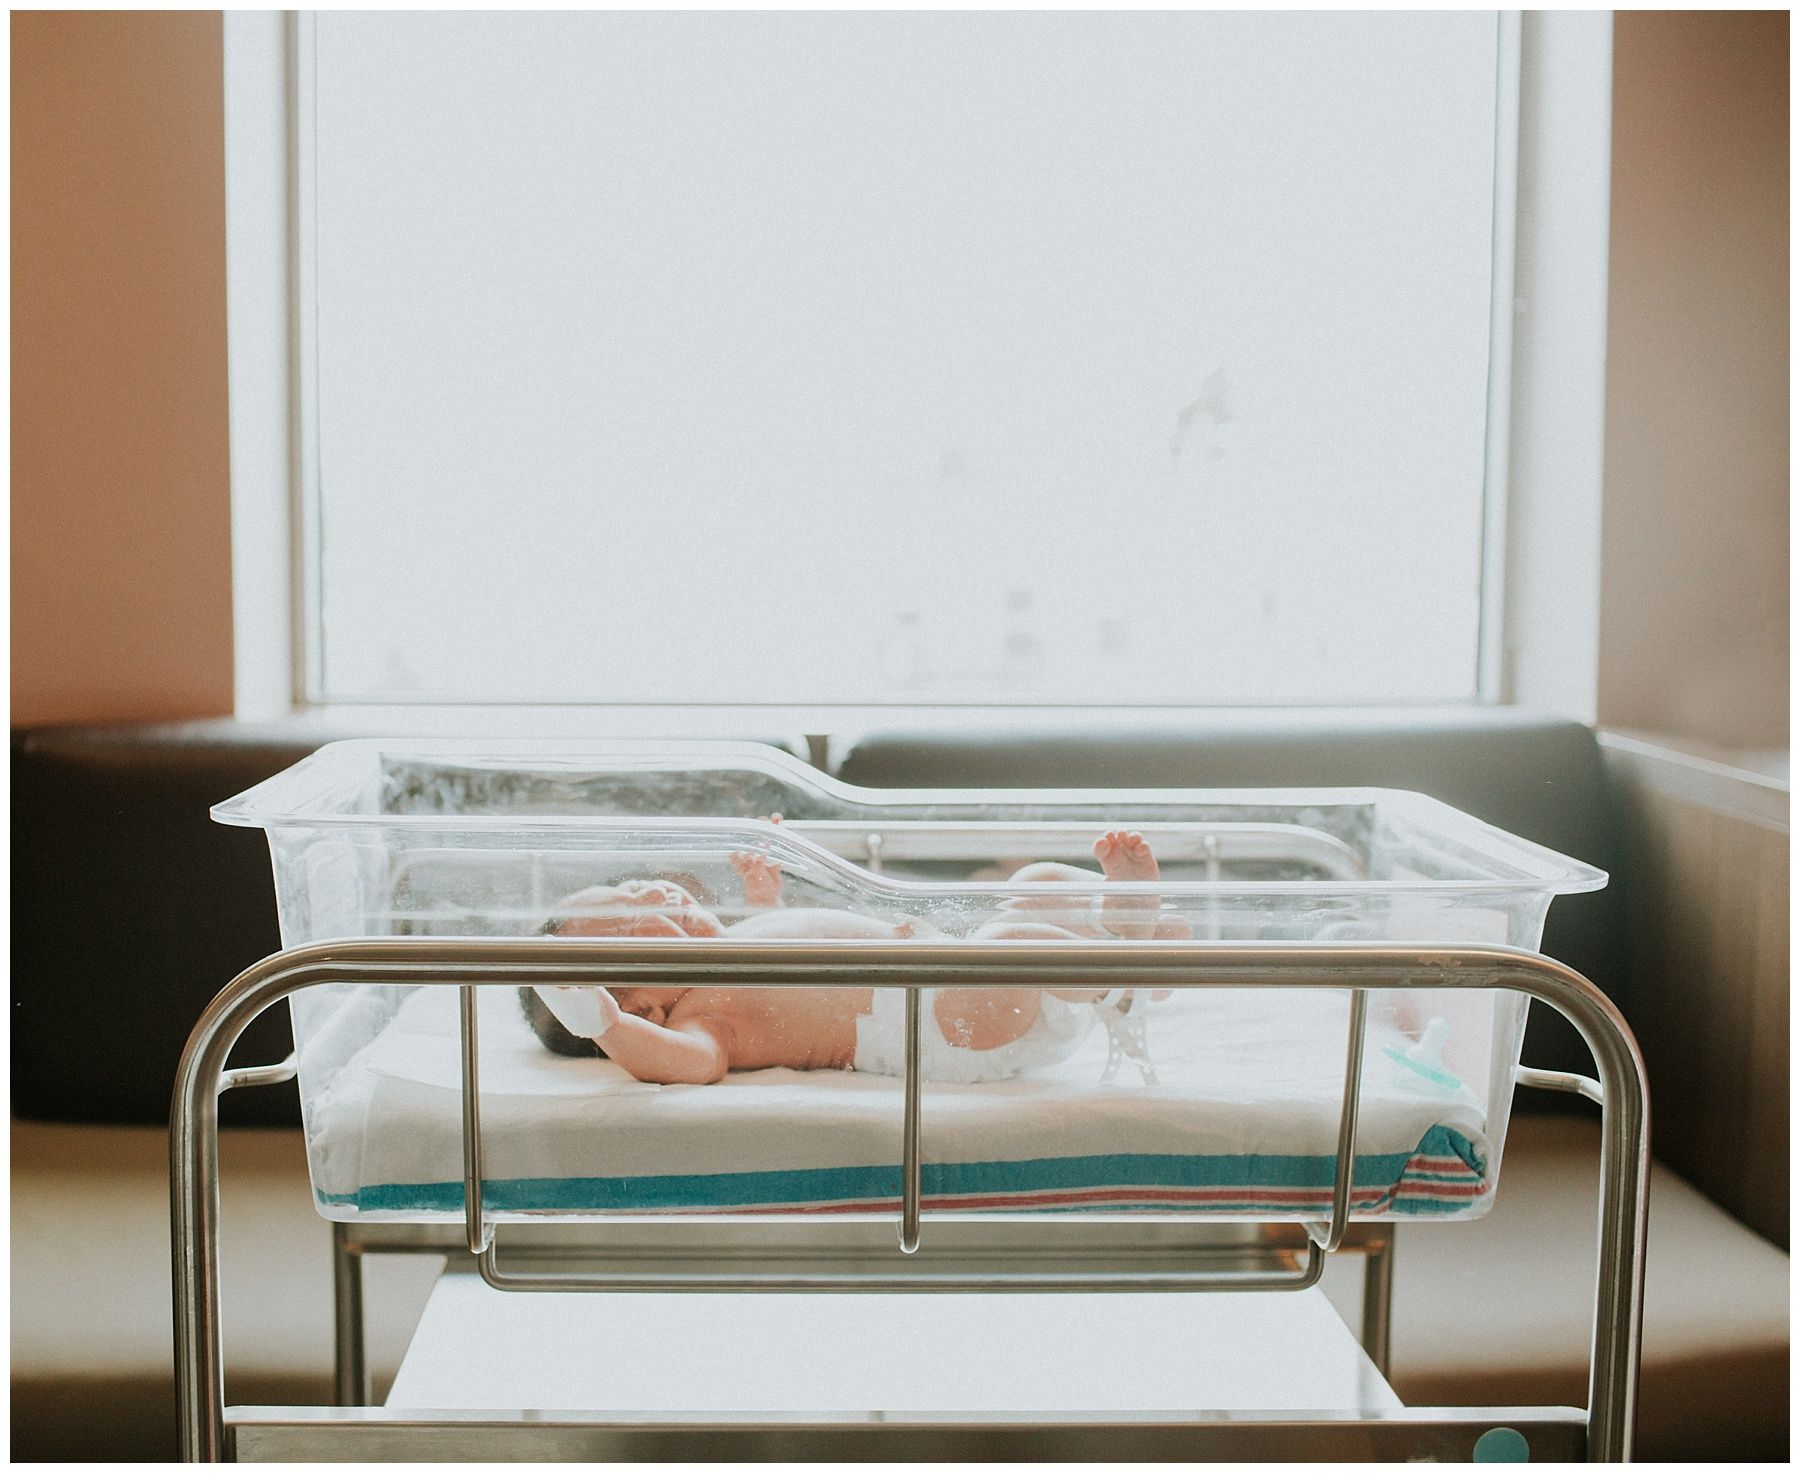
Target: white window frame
column 1538, row 641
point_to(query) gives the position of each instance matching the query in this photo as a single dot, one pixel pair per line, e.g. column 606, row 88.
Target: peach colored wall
column 1694, row 593
column 121, row 541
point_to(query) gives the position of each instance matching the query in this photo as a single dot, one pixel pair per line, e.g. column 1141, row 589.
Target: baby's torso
column 781, row 1027
column 851, row 1027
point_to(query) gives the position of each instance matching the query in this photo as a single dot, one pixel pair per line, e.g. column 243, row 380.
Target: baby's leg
column 1041, row 931
column 986, row 1017
column 1037, row 930
column 804, row 924
column 1049, row 871
column 1073, row 912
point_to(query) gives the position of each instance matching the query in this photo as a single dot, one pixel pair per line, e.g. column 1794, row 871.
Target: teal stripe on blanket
column 819, row 1186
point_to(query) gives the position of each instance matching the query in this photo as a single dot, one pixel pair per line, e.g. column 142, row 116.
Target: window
column 861, row 358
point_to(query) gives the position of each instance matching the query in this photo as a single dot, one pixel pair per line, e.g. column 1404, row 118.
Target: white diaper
column 881, row 1041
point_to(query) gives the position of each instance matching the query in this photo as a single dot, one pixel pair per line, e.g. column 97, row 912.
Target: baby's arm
column 692, row 1051
column 761, row 877
column 760, row 874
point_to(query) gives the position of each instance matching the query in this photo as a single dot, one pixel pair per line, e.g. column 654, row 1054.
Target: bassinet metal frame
column 210, row 1431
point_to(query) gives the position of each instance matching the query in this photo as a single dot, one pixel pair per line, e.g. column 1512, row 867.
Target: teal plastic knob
column 1502, row 1445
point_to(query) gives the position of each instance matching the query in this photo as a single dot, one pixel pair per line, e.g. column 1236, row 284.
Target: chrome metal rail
column 913, row 965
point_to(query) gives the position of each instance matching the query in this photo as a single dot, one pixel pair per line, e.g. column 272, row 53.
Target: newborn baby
column 696, row 1035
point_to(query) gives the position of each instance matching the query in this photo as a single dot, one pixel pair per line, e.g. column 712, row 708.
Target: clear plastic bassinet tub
column 1218, row 1101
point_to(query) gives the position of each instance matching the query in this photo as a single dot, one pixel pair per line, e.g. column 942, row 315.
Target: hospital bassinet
column 1233, row 1112
column 1347, row 975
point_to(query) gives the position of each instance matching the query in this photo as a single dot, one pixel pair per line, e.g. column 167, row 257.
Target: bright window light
column 899, row 358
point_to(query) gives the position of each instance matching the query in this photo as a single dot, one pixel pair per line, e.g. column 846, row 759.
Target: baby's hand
column 761, row 877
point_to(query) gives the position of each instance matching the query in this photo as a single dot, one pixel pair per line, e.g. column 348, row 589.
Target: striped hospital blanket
column 1242, row 1122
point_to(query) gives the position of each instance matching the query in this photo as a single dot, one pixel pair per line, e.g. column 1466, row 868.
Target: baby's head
column 653, row 1003
column 551, row 1032
column 663, row 906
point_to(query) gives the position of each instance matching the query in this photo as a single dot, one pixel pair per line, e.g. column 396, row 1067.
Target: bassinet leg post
column 350, row 1369
column 1624, row 1098
column 1624, row 1212
column 194, row 1214
column 194, row 1203
column 1378, row 1297
column 194, row 1187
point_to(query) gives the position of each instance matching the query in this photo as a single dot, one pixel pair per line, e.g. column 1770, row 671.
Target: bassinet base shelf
column 857, row 1354
column 1111, row 1377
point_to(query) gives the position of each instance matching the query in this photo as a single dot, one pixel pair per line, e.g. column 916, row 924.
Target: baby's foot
column 1124, row 855
column 761, row 877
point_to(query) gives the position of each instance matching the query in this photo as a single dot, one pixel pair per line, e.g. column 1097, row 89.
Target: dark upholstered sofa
column 127, row 897
column 126, row 891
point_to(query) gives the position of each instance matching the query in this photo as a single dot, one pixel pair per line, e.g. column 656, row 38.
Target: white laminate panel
column 477, row 1348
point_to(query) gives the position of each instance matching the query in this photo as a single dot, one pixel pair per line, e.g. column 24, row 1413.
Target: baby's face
column 654, row 1003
